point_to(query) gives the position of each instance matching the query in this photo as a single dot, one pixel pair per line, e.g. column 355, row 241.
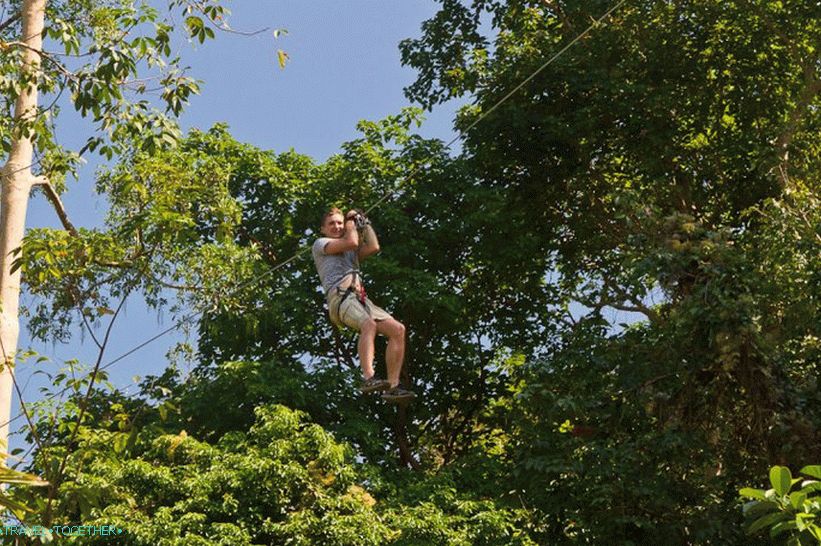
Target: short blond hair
column 331, row 212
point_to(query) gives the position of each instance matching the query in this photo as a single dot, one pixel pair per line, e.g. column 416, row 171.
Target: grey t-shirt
column 332, row 268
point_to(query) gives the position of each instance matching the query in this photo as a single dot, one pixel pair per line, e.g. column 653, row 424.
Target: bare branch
column 83, row 405
column 77, row 298
column 570, row 321
column 224, row 25
column 65, row 71
column 9, row 361
column 90, row 330
column 810, row 225
column 9, row 21
column 188, row 287
column 641, row 308
column 637, row 307
column 59, row 208
column 225, row 28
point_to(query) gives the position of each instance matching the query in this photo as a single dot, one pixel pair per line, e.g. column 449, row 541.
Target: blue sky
column 344, row 66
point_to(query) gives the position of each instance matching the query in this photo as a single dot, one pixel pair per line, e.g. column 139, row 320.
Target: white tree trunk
column 17, row 180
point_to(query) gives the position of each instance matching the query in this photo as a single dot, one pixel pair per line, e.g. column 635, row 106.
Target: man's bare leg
column 367, row 335
column 395, row 353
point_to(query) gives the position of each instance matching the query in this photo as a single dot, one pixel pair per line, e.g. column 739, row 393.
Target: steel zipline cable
column 381, row 200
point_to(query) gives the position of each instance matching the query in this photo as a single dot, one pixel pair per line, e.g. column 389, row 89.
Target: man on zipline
column 337, row 255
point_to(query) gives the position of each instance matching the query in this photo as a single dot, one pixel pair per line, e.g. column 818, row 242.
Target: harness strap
column 361, row 295
column 348, row 292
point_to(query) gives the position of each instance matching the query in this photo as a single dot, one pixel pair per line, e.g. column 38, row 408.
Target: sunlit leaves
column 790, row 510
column 282, row 58
column 197, row 29
column 284, row 479
column 113, row 58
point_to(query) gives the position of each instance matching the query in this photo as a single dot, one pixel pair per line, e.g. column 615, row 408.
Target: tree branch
column 54, row 198
column 637, row 307
column 83, row 406
column 9, row 361
column 651, row 315
column 623, row 302
column 9, row 21
column 406, row 457
column 812, row 87
column 44, row 55
column 222, row 26
column 182, row 287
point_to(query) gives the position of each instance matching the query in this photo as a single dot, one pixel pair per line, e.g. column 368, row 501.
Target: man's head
column 333, row 223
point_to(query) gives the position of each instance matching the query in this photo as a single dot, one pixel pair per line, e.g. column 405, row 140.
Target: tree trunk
column 17, row 180
column 406, row 458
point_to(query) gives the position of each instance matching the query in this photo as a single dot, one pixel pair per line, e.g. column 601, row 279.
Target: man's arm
column 370, row 243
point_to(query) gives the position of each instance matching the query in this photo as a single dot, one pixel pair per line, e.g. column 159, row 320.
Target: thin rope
column 507, row 96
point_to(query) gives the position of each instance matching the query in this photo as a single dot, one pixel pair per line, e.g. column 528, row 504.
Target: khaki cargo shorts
column 352, row 313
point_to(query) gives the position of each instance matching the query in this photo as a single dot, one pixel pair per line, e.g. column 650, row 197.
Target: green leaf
column 780, row 478
column 756, row 509
column 16, row 506
column 801, row 521
column 132, row 439
column 797, row 499
column 751, row 493
column 766, row 521
column 120, row 442
column 782, row 527
column 8, row 475
column 812, row 470
column 810, row 486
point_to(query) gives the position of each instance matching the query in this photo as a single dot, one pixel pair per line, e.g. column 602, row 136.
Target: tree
column 426, row 275
column 17, row 183
column 281, row 481
column 655, row 160
column 623, row 181
column 105, row 47
column 658, row 112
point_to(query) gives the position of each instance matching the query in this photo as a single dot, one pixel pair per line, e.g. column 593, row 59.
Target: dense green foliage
column 673, row 158
column 281, row 482
column 611, row 294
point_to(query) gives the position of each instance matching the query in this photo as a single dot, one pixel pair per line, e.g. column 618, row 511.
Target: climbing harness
column 360, row 220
